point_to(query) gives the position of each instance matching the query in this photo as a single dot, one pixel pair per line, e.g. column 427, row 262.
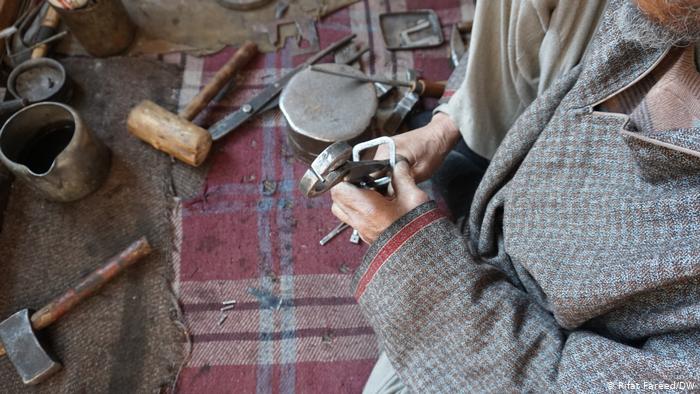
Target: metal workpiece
column 361, row 147
column 417, row 85
column 322, row 109
column 306, row 26
column 281, row 8
column 401, row 110
column 405, row 105
column 457, row 46
column 102, row 27
column 33, row 363
column 51, row 149
column 341, row 163
column 319, row 178
column 350, row 55
column 333, row 233
column 361, row 77
column 459, row 41
column 357, row 150
column 411, row 29
column 355, row 237
column 383, row 90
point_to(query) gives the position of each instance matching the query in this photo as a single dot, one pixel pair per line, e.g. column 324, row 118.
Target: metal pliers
column 334, row 165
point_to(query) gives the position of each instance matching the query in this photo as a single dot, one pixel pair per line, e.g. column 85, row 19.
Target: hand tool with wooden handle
column 47, row 29
column 176, row 134
column 88, row 286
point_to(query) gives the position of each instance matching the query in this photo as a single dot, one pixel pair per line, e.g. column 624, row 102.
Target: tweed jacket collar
column 616, row 63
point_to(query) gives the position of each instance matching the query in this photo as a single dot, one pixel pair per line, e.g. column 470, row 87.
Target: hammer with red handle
column 17, row 338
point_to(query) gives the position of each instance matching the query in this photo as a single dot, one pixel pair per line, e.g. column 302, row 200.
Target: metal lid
column 328, row 107
column 38, row 80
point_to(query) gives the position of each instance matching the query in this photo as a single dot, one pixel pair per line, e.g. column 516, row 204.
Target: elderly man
column 578, row 265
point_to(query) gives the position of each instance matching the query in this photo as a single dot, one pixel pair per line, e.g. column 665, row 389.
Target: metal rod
column 385, row 81
column 329, row 49
column 337, row 230
column 40, row 43
column 357, row 56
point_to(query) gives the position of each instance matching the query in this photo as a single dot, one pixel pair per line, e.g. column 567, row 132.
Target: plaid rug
column 250, row 236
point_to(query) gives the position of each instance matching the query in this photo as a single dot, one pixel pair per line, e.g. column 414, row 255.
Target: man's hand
column 369, row 212
column 425, row 148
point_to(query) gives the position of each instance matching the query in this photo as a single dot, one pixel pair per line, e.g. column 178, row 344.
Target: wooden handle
column 88, row 285
column 239, row 59
column 169, row 133
column 429, row 89
column 48, row 28
column 8, row 14
column 465, row 26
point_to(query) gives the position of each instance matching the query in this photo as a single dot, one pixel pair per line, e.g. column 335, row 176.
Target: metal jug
column 48, row 146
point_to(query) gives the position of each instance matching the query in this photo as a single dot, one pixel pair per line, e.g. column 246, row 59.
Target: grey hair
column 683, row 30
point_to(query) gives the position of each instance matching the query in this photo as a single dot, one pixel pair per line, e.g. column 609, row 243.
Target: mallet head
column 169, row 133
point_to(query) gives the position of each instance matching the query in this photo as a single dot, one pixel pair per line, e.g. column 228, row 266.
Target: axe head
column 32, row 362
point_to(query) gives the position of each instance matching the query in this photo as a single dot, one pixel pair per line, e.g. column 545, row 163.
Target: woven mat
column 296, row 327
column 122, row 340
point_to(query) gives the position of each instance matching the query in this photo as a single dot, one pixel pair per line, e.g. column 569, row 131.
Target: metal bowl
column 38, row 80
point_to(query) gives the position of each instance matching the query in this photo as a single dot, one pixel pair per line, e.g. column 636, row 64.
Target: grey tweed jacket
column 579, row 268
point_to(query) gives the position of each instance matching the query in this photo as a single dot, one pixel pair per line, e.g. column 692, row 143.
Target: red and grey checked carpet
column 296, row 326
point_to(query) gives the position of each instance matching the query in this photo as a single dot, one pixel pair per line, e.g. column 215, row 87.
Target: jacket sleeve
column 517, row 48
column 449, row 324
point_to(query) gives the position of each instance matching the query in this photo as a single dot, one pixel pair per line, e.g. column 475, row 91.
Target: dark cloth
column 459, row 177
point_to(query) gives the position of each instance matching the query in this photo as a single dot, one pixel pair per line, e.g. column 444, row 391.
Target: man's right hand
column 425, row 148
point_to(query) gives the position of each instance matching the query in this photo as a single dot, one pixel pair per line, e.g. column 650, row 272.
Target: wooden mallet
column 176, row 135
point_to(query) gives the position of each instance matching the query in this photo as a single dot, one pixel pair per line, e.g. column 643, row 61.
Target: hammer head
column 169, row 133
column 32, row 362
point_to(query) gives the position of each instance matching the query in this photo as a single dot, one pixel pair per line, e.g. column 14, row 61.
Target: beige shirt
column 517, row 49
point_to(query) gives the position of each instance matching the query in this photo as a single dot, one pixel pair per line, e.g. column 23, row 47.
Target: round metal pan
column 322, row 109
column 38, row 80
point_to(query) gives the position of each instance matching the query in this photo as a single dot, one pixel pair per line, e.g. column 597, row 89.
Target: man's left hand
column 369, row 212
